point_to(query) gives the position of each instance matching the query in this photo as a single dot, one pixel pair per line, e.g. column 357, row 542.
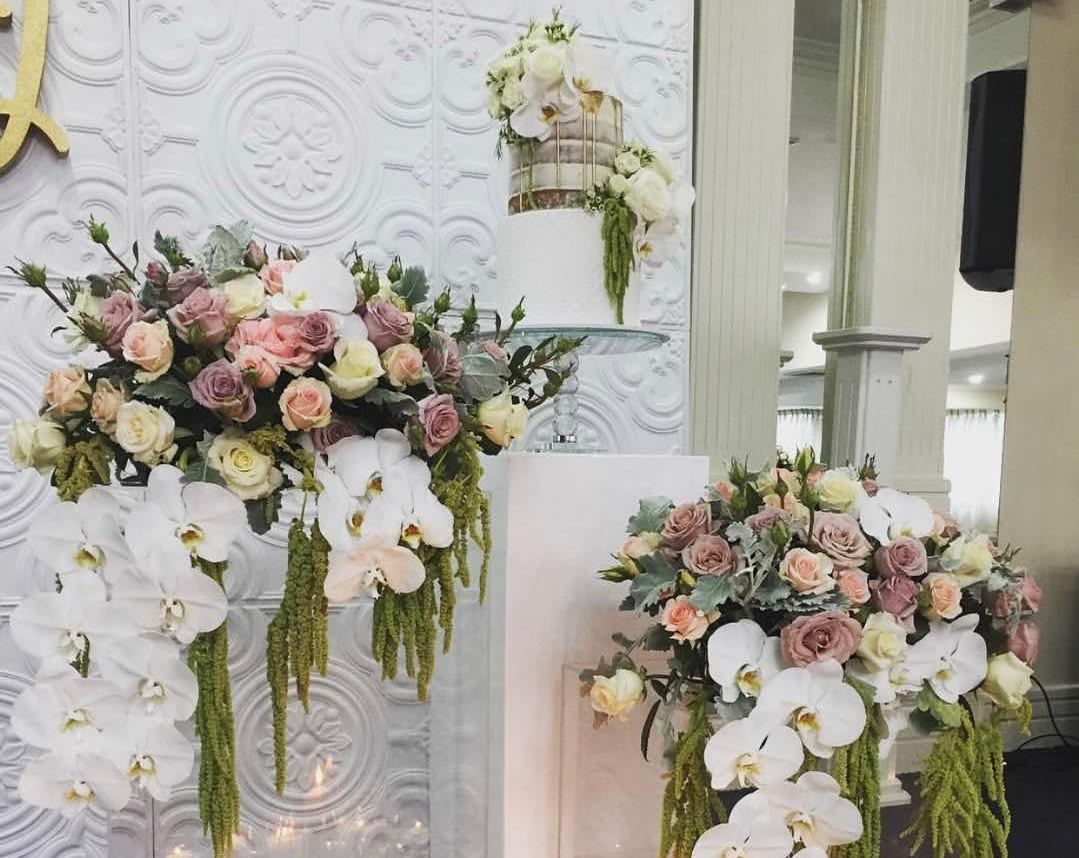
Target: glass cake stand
column 599, row 341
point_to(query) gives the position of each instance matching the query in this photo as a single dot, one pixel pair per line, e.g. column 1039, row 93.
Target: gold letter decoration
column 21, row 109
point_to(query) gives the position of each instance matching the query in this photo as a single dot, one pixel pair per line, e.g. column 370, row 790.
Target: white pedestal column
column 744, row 58
column 560, row 519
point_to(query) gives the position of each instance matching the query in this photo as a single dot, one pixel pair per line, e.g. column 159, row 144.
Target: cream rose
column 627, row 163
column 35, row 444
column 403, row 364
column 149, row 346
column 305, row 404
column 637, row 546
column 105, row 404
column 942, row 595
column 146, row 432
column 838, row 491
column 356, row 369
column 968, row 559
column 618, row 185
column 648, row 196
column 1007, row 680
column 806, row 571
column 67, row 392
column 615, row 696
column 248, row 473
column 512, row 94
column 246, row 297
column 501, row 419
column 883, row 641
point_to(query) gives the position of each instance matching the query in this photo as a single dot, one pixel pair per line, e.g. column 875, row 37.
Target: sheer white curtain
column 798, row 427
column 973, row 453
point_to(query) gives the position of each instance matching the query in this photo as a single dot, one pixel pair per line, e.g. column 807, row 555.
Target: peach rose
column 403, row 364
column 257, row 365
column 854, row 584
column 305, row 404
column 725, row 490
column 683, row 621
column 104, row 404
column 278, row 336
column 149, row 346
column 807, row 572
column 67, row 391
column 273, row 274
column 942, row 594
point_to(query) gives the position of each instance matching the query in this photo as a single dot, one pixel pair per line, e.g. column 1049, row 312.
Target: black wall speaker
column 994, row 160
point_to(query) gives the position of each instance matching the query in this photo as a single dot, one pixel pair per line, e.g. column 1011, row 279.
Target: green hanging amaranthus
column 219, row 796
column 618, row 223
column 856, row 768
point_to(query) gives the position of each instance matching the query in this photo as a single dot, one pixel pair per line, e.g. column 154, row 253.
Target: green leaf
column 711, row 591
column 261, row 514
column 651, row 516
column 658, row 639
column 945, row 714
column 412, row 287
column 169, row 247
column 199, row 471
column 168, row 389
column 393, row 400
column 481, row 377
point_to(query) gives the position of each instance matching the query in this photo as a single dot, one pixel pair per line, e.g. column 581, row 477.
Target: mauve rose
column 897, row 596
column 386, row 325
column 495, row 350
column 443, row 357
column 326, row 436
column 1024, row 641
column 831, row 634
column 183, row 282
column 118, row 312
column 905, row 556
column 767, row 518
column 709, row 555
column 317, row 332
column 439, row 421
column 157, row 273
column 685, row 523
column 1028, row 593
column 202, row 318
column 221, row 388
column 839, row 536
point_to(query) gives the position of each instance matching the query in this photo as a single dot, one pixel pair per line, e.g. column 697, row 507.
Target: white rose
column 146, row 432
column 617, row 185
column 249, row 474
column 648, row 196
column 246, row 297
column 501, row 419
column 627, row 163
column 35, row 444
column 969, row 560
column 494, row 104
column 883, row 641
column 545, row 64
column 1007, row 680
column 837, row 491
column 615, row 696
column 512, row 94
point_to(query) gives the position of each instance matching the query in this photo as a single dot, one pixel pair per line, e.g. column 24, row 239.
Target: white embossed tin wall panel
column 324, row 122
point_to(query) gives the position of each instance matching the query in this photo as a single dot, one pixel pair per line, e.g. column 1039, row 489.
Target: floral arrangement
column 220, row 381
column 802, row 610
column 644, row 206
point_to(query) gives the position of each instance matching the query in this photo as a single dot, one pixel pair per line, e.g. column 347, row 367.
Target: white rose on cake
column 648, row 195
column 543, row 66
column 627, row 163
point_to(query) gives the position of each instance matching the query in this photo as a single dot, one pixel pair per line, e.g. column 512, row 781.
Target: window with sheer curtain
column 973, row 452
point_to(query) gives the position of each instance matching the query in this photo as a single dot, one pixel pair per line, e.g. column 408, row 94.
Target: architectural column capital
column 870, row 337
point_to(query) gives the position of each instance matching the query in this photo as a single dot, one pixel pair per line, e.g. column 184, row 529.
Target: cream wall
column 804, row 314
column 979, row 318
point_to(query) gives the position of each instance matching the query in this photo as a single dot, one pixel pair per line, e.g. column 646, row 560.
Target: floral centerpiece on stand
column 220, row 381
column 801, row 609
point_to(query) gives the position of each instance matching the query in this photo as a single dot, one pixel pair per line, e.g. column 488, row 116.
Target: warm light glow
column 180, row 851
column 976, row 378
column 814, row 278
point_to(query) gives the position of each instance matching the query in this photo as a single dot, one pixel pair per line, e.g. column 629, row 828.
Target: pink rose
column 443, row 357
column 326, row 436
column 279, row 337
column 685, row 523
column 273, row 274
column 495, row 350
column 439, row 421
column 839, row 536
column 831, row 634
column 767, row 518
column 386, row 325
column 814, row 475
column 255, row 256
column 897, row 596
column 807, row 572
column 709, row 555
column 725, row 490
column 118, row 312
column 905, row 556
column 1024, row 641
column 854, row 584
column 305, row 404
column 157, row 273
column 221, row 388
column 944, row 527
column 202, row 318
column 105, row 403
column 943, row 596
column 67, row 391
column 317, row 332
column 183, row 282
column 259, row 367
column 149, row 346
column 683, row 621
column 1024, row 598
column 403, row 364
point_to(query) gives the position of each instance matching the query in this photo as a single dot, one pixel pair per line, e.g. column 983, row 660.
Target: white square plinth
column 559, row 520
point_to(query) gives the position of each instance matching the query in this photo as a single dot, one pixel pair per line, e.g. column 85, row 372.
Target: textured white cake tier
column 554, row 260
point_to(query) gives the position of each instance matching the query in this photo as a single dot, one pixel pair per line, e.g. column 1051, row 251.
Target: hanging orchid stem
column 219, row 796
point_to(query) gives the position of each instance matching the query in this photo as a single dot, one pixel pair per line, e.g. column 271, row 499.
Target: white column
column 899, row 214
column 743, row 123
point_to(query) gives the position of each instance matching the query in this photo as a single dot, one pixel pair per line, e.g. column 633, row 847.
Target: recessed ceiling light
column 976, row 378
column 814, row 278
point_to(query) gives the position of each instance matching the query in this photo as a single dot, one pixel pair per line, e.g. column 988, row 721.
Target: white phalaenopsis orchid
column 371, row 565
column 361, row 462
column 407, row 509
column 952, row 658
column 70, row 783
column 171, row 596
column 151, row 676
column 659, row 242
column 827, row 713
column 814, row 811
column 318, row 282
column 749, row 752
column 65, row 712
column 204, row 518
column 750, row 832
column 587, row 71
column 154, row 755
column 340, row 514
column 890, row 514
column 62, row 625
column 543, row 108
column 83, row 537
column 742, row 658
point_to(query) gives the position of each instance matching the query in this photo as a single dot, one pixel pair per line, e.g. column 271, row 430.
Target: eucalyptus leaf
column 168, row 389
column 412, row 287
column 393, row 400
column 481, row 377
column 225, row 248
column 711, row 591
column 199, row 471
column 651, row 516
column 658, row 577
